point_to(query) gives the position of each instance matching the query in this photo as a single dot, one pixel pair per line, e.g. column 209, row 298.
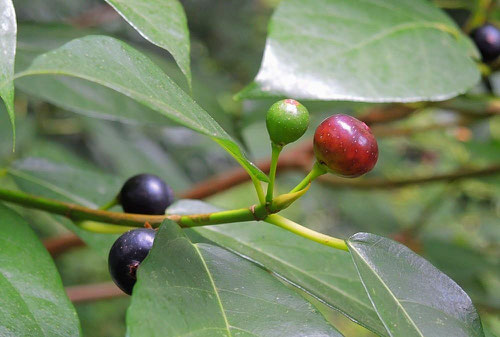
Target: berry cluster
column 342, row 144
column 142, row 194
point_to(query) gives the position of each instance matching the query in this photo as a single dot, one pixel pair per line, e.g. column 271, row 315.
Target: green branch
column 102, row 221
column 79, row 213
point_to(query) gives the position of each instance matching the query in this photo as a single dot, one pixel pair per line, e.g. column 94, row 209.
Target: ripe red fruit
column 345, row 146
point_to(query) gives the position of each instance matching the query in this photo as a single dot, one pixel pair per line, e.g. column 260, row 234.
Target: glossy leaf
column 325, row 273
column 187, row 289
column 163, row 23
column 41, row 177
column 411, row 296
column 116, row 65
column 8, row 29
column 74, row 94
column 373, row 51
column 32, row 298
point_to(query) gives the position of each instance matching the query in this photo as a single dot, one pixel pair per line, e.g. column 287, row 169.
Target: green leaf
column 116, row 65
column 161, row 22
column 8, row 30
column 411, row 296
column 41, row 177
column 32, row 298
column 325, row 273
column 74, row 94
column 372, row 51
column 203, row 290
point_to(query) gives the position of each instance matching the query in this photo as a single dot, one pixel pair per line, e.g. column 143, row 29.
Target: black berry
column 128, row 251
column 145, row 194
column 487, row 39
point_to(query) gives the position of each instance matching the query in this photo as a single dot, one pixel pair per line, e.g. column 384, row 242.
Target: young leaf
column 203, row 290
column 325, row 273
column 8, row 30
column 372, row 51
column 32, row 298
column 161, row 22
column 116, row 65
column 411, row 296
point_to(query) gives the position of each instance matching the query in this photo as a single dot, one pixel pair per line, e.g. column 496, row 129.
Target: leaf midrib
column 384, row 33
column 25, row 304
column 388, row 290
column 216, row 291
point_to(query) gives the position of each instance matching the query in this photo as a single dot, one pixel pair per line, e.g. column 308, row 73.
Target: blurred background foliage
column 454, row 224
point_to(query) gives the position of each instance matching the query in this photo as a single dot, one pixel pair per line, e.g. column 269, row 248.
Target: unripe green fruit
column 287, row 120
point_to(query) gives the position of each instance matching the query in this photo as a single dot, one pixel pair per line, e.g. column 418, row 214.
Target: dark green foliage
column 107, row 90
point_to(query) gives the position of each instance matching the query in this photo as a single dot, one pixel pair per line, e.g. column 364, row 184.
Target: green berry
column 287, row 120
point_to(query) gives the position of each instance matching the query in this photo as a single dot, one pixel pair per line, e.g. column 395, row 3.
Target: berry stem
column 275, row 153
column 113, row 202
column 259, row 190
column 316, row 171
column 305, row 232
column 103, row 228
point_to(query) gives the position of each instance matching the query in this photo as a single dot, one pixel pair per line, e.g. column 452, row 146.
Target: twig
column 93, row 292
column 67, row 241
column 386, row 114
column 60, row 244
column 379, row 183
column 94, row 17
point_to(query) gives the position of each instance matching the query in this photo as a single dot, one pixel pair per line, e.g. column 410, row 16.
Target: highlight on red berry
column 345, row 146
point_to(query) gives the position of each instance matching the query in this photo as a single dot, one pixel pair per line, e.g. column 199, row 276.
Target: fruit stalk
column 316, row 171
column 305, row 232
column 276, row 150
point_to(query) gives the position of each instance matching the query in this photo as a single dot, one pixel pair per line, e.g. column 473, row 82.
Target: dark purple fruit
column 345, row 146
column 145, row 194
column 126, row 254
column 487, row 40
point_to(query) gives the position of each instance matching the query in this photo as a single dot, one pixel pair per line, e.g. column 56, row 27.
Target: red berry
column 345, row 146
